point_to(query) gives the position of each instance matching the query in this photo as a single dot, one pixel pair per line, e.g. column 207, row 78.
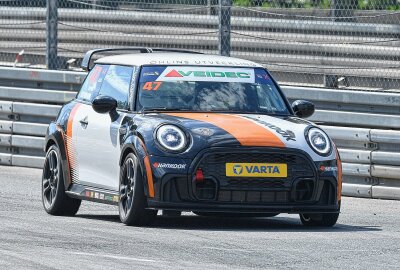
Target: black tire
column 55, row 200
column 233, row 215
column 319, row 220
column 133, row 202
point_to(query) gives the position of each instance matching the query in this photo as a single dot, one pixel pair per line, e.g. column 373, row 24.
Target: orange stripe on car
column 71, row 119
column 339, row 176
column 149, row 173
column 71, row 157
column 247, row 132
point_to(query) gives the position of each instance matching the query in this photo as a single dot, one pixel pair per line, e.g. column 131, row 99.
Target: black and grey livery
column 115, row 144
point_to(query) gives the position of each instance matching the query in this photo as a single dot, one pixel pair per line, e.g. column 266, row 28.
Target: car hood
column 235, row 130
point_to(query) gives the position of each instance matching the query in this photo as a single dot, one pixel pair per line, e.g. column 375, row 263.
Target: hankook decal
column 169, row 165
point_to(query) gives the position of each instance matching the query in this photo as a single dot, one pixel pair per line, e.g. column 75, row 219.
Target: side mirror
column 104, row 104
column 303, row 108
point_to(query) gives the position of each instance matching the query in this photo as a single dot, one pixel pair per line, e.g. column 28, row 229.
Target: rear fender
column 55, row 136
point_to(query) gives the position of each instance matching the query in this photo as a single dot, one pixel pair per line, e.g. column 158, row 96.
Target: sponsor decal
column 101, row 196
column 216, row 74
column 202, row 62
column 238, row 169
column 204, row 131
column 287, row 134
column 108, row 197
column 323, row 168
column 154, row 73
column 169, row 165
column 256, row 170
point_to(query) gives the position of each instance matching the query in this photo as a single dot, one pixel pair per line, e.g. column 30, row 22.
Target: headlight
column 171, row 137
column 318, row 141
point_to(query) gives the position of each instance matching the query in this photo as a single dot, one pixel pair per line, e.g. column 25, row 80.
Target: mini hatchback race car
column 178, row 131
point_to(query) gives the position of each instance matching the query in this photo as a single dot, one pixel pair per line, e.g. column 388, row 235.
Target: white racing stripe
column 285, row 131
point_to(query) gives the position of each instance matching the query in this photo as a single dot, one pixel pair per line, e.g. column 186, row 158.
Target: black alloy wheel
column 54, row 199
column 132, row 200
column 50, row 178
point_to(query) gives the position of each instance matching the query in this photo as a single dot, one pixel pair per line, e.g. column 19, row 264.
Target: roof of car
column 142, row 59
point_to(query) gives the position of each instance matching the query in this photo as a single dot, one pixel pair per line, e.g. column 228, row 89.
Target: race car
column 172, row 130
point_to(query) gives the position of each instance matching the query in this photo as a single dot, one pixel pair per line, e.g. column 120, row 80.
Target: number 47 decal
column 152, row 86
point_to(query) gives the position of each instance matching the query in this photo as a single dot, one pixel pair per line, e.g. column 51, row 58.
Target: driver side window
column 116, row 84
column 92, row 83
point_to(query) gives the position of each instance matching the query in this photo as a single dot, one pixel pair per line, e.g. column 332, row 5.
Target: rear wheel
column 319, row 220
column 54, row 199
column 132, row 201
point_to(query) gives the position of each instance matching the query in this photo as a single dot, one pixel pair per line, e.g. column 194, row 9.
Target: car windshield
column 206, row 89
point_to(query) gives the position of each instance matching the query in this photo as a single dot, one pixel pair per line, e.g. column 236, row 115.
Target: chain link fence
column 331, row 43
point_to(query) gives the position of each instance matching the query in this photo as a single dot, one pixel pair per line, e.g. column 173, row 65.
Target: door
column 98, row 136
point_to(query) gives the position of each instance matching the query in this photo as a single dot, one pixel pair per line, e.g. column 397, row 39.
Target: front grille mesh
column 214, row 165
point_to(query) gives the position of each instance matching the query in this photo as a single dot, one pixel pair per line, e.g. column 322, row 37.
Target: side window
column 92, row 84
column 116, row 84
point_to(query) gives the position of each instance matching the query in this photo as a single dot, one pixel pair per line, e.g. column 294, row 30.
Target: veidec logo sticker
column 217, row 74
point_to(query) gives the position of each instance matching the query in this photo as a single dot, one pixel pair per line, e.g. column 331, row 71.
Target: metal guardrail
column 366, row 54
column 362, row 123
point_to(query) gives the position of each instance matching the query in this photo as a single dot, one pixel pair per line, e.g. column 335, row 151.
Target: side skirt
column 93, row 194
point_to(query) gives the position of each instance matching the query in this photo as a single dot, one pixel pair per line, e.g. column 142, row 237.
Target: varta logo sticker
column 256, row 170
column 217, row 74
column 237, row 169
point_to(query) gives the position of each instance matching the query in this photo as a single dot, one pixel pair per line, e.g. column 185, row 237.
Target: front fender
column 134, row 144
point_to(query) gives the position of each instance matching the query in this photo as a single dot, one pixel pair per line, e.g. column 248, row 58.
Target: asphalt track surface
column 367, row 236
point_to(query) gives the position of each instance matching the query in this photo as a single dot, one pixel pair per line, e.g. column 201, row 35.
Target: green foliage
column 242, row 3
column 323, row 4
column 379, row 4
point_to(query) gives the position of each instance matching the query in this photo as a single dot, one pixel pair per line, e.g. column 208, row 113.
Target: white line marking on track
column 113, row 257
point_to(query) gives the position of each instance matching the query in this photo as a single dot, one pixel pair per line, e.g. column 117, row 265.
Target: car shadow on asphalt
column 189, row 222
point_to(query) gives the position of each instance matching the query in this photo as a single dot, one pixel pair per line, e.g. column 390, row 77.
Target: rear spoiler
column 88, row 56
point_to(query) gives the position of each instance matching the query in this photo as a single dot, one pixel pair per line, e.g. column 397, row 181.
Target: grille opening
column 253, row 196
column 304, row 190
column 206, row 190
column 328, row 194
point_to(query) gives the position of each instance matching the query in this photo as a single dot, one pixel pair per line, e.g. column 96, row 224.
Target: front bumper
column 305, row 190
column 244, row 208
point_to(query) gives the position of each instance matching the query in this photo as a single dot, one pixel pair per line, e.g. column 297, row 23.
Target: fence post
column 224, row 34
column 51, row 34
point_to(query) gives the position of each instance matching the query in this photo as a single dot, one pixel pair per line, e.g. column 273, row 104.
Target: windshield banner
column 207, row 74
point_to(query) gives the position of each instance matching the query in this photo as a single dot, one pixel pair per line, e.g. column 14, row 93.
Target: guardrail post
column 51, row 34
column 224, row 34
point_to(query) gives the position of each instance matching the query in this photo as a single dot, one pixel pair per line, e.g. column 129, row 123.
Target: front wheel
column 132, row 201
column 319, row 220
column 54, row 199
